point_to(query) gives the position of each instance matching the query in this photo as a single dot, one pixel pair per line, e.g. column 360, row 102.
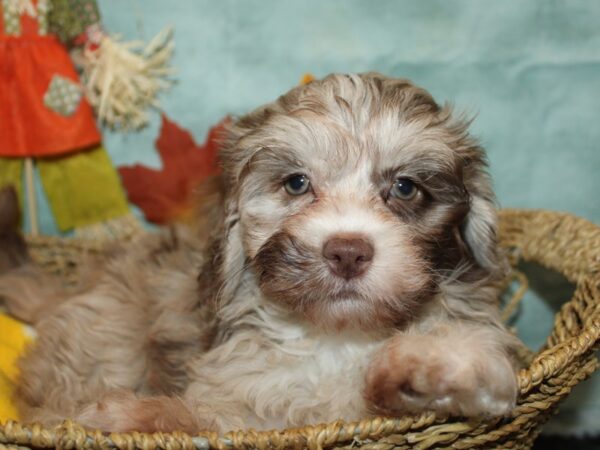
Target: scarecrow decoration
column 47, row 116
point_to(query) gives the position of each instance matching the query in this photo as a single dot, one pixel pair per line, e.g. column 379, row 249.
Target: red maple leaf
column 165, row 195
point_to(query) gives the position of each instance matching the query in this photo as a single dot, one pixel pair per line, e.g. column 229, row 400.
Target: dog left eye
column 297, row 184
column 404, row 189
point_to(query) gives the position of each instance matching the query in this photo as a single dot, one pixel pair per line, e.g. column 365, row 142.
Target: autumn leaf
column 165, row 195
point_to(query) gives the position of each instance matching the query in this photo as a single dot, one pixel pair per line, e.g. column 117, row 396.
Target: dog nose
column 348, row 257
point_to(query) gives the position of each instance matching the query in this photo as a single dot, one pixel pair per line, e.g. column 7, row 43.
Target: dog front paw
column 449, row 376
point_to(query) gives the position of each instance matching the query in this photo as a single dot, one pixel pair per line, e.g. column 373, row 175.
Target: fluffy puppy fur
column 276, row 331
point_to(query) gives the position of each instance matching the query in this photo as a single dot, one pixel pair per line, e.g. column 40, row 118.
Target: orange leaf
column 164, row 195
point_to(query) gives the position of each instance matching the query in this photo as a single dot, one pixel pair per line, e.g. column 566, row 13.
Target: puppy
column 352, row 270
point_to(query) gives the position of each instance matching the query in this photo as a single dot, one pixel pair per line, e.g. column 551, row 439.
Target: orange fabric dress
column 42, row 108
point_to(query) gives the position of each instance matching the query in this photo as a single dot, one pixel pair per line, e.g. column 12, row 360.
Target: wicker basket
column 560, row 242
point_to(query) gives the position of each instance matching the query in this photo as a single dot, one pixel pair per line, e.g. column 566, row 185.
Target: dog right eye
column 297, row 184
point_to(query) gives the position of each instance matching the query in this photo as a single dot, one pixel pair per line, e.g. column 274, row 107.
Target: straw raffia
column 122, row 80
column 561, row 242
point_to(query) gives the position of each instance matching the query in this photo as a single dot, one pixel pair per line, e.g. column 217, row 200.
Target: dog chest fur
column 284, row 370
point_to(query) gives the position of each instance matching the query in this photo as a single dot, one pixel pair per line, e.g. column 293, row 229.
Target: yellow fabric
column 13, row 339
column 82, row 188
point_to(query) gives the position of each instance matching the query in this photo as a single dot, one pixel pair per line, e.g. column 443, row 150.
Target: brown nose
column 348, row 257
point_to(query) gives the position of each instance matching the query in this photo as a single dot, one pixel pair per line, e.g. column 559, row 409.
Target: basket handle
column 571, row 246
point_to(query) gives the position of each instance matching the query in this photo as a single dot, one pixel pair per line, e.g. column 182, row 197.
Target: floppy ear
column 480, row 227
column 226, row 259
column 223, row 267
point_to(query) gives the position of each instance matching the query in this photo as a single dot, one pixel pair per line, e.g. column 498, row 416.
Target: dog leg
column 90, row 344
column 457, row 369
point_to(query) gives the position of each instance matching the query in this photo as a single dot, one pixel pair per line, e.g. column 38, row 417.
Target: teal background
column 529, row 70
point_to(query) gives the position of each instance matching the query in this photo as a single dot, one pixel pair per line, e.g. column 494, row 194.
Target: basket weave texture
column 558, row 241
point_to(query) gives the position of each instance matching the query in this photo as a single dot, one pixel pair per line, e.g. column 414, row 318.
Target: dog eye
column 297, row 184
column 404, row 189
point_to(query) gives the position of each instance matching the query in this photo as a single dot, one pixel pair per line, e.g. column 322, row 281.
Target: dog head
column 352, row 199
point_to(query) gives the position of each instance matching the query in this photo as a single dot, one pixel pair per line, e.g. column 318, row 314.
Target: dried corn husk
column 123, row 79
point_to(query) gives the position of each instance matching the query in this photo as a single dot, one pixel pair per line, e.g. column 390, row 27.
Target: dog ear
column 480, row 228
column 226, row 258
column 219, row 223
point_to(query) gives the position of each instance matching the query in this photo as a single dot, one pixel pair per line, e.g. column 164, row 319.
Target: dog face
column 352, row 199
